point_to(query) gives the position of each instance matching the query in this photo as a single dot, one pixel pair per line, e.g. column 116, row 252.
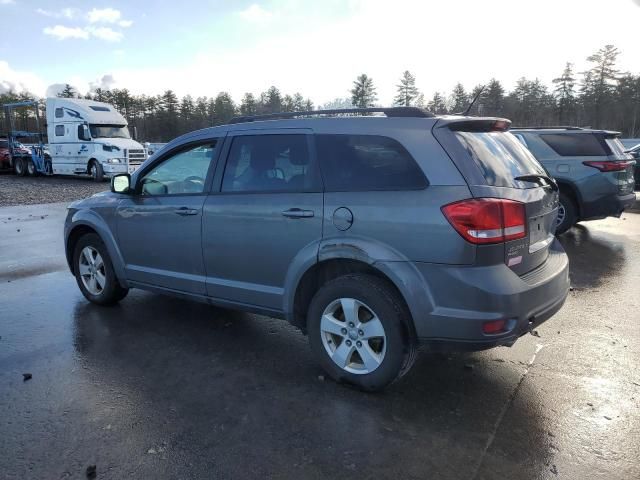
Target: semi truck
column 85, row 137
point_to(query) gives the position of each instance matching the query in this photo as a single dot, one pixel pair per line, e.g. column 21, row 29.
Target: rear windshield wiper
column 536, row 177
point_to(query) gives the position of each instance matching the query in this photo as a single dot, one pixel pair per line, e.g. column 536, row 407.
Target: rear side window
column 367, row 162
column 616, row 147
column 270, row 163
column 500, row 157
column 59, row 130
column 574, row 144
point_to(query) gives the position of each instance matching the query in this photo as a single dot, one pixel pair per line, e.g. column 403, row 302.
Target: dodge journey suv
column 591, row 167
column 371, row 234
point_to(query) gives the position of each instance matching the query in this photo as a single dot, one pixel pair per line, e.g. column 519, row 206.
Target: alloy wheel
column 353, row 336
column 92, row 270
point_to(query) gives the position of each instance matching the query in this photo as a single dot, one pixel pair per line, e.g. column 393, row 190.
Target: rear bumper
column 465, row 297
column 609, row 206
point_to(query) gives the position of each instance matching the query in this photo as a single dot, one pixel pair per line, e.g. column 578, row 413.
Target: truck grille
column 136, row 155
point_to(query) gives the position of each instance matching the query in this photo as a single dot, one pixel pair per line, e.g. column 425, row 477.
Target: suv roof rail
column 549, row 127
column 392, row 112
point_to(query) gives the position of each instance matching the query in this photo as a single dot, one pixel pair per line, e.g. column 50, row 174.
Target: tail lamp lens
column 487, row 220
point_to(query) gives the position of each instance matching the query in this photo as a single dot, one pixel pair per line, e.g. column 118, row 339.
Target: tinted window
column 4, row 144
column 616, row 147
column 574, row 144
column 59, row 130
column 261, row 163
column 367, row 162
column 184, row 172
column 59, row 113
column 501, row 157
column 98, row 109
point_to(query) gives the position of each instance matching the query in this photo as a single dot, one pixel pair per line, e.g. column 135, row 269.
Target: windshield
column 501, row 158
column 109, row 131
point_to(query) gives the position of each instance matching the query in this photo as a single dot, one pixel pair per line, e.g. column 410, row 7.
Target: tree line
column 600, row 97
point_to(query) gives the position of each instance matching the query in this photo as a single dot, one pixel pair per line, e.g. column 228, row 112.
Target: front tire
column 567, row 214
column 94, row 272
column 359, row 332
column 96, row 171
column 31, row 168
column 19, row 167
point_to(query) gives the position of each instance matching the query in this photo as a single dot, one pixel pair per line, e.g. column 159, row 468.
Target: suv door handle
column 297, row 213
column 184, row 211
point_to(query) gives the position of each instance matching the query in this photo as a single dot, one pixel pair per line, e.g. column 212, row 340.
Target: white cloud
column 14, row 81
column 7, row 2
column 105, row 33
column 125, row 23
column 68, row 13
column 104, row 15
column 62, row 33
column 255, row 14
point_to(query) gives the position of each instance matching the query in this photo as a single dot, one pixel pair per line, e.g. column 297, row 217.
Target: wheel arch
column 84, row 222
column 570, row 189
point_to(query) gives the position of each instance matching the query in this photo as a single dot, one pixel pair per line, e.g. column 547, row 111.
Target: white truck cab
column 89, row 137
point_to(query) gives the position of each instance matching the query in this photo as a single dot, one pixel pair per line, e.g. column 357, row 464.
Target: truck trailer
column 85, row 137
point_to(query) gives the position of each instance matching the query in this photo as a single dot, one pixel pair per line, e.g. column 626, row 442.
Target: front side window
column 574, row 144
column 367, row 162
column 59, row 130
column 109, row 131
column 270, row 163
column 59, row 113
column 184, row 172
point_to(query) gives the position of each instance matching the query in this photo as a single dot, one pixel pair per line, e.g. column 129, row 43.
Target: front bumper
column 466, row 297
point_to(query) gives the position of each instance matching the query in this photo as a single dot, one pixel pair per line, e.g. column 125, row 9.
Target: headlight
column 113, row 160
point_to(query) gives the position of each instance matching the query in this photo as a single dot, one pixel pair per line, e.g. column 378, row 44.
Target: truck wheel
column 567, row 214
column 358, row 329
column 19, row 167
column 94, row 272
column 95, row 169
column 31, row 168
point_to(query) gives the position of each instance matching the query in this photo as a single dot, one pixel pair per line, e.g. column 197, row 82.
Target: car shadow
column 592, row 260
column 247, row 387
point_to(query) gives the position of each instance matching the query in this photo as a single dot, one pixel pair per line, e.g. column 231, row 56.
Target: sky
column 315, row 47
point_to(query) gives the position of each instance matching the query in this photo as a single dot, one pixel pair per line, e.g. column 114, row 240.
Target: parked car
column 635, row 153
column 5, row 155
column 594, row 173
column 372, row 234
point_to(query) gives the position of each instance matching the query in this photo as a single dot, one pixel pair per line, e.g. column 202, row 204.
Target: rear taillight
column 608, row 166
column 487, row 220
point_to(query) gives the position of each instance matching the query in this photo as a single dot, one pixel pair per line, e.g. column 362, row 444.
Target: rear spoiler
column 474, row 124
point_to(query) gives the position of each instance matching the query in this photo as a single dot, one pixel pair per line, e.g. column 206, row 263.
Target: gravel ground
column 29, row 190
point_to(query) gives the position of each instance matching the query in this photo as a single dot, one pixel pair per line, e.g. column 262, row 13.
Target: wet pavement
column 163, row 388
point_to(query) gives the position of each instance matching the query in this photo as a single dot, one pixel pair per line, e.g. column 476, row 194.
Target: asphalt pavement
column 162, row 388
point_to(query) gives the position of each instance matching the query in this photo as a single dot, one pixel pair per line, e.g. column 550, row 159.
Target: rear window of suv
column 574, row 144
column 500, row 157
column 367, row 162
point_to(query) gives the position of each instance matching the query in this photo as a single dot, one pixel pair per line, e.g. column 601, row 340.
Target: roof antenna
column 475, row 99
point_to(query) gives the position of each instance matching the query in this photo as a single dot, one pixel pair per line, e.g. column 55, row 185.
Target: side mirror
column 121, row 183
column 84, row 133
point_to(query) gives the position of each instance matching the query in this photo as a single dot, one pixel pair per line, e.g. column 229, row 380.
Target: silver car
column 372, row 234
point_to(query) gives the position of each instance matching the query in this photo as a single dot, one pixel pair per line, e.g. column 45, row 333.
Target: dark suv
column 594, row 173
column 370, row 233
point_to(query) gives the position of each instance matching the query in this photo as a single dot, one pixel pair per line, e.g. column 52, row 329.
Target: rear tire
column 376, row 348
column 567, row 214
column 94, row 272
column 19, row 167
column 31, row 168
column 96, row 171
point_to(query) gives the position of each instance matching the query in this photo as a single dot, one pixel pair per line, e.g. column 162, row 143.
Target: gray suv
column 591, row 167
column 371, row 234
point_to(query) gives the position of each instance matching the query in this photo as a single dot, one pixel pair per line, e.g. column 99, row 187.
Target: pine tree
column 493, row 98
column 363, row 93
column 248, row 105
column 272, row 100
column 407, row 91
column 224, row 108
column 437, row 105
column 564, row 93
column 459, row 100
column 599, row 82
column 67, row 92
